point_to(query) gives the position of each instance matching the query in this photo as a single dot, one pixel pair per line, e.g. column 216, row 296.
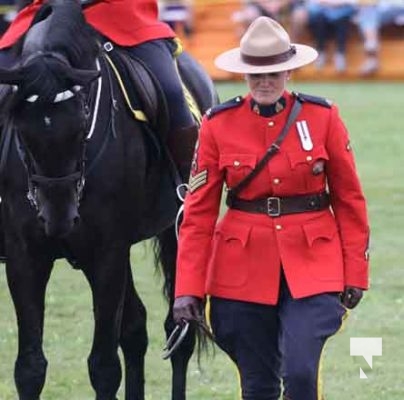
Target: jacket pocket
column 236, row 167
column 230, row 257
column 307, row 158
column 323, row 256
column 320, row 231
column 309, row 168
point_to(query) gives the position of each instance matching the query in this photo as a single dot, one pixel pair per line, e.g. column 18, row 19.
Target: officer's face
column 267, row 88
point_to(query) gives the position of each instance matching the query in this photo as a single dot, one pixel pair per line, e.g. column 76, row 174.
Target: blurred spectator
column 370, row 19
column 298, row 20
column 22, row 3
column 251, row 10
column 178, row 14
column 330, row 19
column 7, row 14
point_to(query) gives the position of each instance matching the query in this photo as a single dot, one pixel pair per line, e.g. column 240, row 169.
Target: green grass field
column 374, row 115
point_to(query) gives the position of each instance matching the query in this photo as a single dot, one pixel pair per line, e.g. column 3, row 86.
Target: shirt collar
column 268, row 110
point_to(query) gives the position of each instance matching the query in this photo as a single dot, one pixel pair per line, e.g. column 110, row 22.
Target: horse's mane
column 69, row 34
column 59, row 27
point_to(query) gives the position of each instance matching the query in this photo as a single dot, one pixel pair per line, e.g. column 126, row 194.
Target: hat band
column 269, row 60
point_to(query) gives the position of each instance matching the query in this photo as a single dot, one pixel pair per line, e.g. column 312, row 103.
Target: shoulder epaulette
column 321, row 101
column 236, row 102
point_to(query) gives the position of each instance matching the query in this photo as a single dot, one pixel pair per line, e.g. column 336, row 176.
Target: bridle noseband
column 35, row 179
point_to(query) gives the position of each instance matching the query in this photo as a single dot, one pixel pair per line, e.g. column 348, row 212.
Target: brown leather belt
column 277, row 206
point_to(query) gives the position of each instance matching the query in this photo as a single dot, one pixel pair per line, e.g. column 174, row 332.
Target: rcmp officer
column 290, row 254
column 132, row 24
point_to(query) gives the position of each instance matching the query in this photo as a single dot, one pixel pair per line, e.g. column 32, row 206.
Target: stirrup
column 175, row 339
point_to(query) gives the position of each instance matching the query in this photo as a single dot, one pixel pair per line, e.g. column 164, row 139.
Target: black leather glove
column 351, row 296
column 187, row 308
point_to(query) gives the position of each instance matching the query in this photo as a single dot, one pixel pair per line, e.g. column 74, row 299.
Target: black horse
column 82, row 179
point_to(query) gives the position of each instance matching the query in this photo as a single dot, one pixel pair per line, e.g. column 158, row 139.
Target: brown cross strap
column 271, row 151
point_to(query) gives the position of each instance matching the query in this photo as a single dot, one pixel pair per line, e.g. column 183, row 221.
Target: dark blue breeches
column 274, row 344
column 158, row 56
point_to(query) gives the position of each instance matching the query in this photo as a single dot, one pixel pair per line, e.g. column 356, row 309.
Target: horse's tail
column 165, row 254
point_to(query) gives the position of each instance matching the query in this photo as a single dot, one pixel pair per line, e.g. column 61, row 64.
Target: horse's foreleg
column 27, row 284
column 133, row 341
column 107, row 280
column 167, row 244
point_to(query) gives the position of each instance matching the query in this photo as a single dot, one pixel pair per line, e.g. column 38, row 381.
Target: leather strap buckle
column 274, row 206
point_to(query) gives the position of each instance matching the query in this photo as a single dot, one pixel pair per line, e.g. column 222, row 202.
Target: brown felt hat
column 265, row 48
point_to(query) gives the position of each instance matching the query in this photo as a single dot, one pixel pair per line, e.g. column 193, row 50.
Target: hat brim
column 231, row 61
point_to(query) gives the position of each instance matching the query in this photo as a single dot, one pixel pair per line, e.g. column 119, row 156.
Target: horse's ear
column 12, row 76
column 82, row 77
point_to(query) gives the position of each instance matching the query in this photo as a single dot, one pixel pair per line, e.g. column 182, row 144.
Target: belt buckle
column 274, row 206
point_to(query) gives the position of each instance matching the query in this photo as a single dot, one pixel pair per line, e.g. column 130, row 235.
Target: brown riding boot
column 181, row 144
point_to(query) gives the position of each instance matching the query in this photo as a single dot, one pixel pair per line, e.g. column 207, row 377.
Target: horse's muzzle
column 58, row 227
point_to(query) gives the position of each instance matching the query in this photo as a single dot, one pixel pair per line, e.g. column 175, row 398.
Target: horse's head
column 50, row 112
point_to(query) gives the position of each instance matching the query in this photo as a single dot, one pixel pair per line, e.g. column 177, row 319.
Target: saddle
column 142, row 91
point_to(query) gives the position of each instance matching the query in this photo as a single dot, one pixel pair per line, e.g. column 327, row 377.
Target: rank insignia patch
column 194, row 164
column 198, row 180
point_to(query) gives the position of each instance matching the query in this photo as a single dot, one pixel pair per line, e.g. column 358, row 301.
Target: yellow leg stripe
column 192, row 105
column 320, row 385
column 180, row 47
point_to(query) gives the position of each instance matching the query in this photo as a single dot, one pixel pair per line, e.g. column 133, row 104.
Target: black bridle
column 88, row 99
column 36, row 179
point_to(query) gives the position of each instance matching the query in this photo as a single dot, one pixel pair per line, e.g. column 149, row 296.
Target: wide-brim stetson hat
column 265, row 48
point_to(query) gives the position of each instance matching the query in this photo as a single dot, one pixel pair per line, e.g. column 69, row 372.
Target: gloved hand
column 188, row 308
column 351, row 296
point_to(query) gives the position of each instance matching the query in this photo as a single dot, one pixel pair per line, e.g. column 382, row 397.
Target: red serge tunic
column 241, row 256
column 125, row 22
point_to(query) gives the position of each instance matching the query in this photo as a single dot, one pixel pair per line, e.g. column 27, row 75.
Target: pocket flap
column 238, row 232
column 319, row 230
column 237, row 160
column 308, row 157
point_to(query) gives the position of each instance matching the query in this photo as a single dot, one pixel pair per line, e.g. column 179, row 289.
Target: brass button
column 309, row 158
column 276, row 181
column 236, row 163
column 278, row 227
column 271, row 123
